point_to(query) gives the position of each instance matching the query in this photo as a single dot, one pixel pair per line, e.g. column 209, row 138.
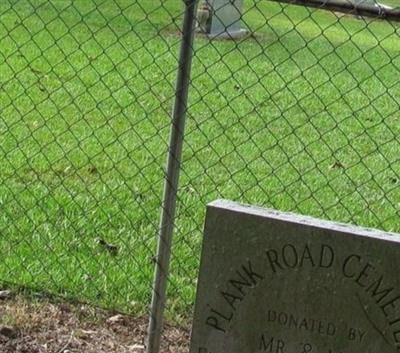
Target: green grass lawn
column 301, row 116
column 393, row 3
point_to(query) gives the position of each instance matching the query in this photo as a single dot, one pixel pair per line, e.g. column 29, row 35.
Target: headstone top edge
column 302, row 219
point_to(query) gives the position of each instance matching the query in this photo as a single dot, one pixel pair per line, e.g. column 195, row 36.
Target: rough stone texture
column 281, row 283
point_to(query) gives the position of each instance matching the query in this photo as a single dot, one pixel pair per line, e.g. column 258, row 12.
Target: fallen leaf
column 85, row 334
column 5, row 294
column 113, row 249
column 337, row 165
column 116, row 319
column 136, row 348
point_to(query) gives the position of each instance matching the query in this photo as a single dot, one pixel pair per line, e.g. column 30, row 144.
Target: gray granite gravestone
column 281, row 283
column 226, row 19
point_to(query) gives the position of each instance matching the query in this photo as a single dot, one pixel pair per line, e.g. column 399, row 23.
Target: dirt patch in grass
column 40, row 326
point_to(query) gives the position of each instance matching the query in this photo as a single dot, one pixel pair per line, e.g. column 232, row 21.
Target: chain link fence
column 299, row 113
column 86, row 89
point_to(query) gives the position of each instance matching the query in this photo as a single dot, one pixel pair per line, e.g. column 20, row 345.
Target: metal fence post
column 171, row 180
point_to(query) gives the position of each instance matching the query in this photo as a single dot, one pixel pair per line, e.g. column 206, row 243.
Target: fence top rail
column 345, row 6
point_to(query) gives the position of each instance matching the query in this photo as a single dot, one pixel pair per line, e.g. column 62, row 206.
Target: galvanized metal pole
column 172, row 180
column 371, row 9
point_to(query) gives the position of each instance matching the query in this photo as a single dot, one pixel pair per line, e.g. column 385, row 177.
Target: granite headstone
column 282, row 283
column 226, row 19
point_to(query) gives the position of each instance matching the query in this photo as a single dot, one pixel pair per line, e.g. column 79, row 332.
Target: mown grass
column 301, row 116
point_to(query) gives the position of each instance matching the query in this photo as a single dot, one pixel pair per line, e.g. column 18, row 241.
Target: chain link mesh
column 86, row 89
column 301, row 114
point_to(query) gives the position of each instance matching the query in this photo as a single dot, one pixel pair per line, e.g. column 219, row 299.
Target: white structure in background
column 221, row 18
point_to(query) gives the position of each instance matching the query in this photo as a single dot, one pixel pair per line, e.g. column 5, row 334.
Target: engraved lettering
column 363, row 274
column 303, row 324
column 271, row 345
column 327, row 256
column 307, row 347
column 231, row 299
column 253, row 276
column 361, row 334
column 306, row 256
column 240, row 284
column 247, row 277
column 289, row 256
column 352, row 334
column 377, row 291
column 272, row 256
column 346, row 264
column 396, row 336
column 263, row 345
column 282, row 318
column 394, row 322
column 391, row 304
column 216, row 320
column 280, row 346
column 321, row 327
column 214, row 323
column 271, row 315
column 292, row 321
column 331, row 329
column 356, row 334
